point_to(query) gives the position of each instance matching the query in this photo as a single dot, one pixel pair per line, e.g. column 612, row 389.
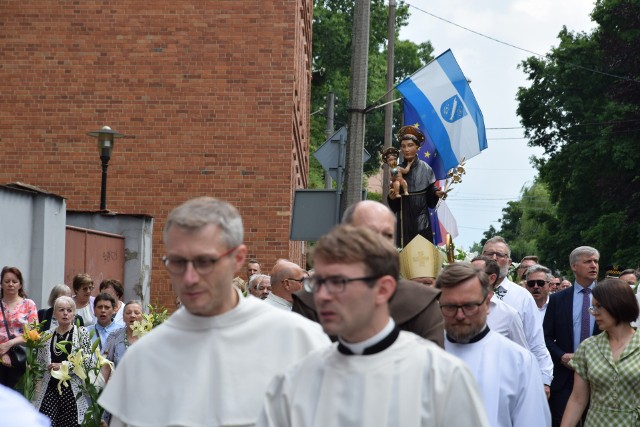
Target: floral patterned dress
column 614, row 386
column 24, row 312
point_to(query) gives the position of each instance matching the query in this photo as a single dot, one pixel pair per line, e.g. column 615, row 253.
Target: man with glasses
column 508, row 375
column 538, row 277
column 286, row 278
column 522, row 301
column 413, row 306
column 376, row 375
column 192, row 370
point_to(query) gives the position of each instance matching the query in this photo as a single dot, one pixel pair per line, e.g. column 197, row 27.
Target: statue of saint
column 411, row 210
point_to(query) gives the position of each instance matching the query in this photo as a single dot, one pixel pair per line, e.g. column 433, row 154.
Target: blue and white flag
column 438, row 99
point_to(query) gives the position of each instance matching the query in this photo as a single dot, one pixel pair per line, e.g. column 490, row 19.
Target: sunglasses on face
column 538, row 283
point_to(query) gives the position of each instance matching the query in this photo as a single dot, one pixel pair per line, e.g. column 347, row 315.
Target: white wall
column 32, row 236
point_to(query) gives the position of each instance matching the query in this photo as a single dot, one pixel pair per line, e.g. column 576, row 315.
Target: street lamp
column 106, row 138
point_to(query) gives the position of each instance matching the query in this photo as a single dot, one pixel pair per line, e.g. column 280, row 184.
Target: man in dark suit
column 413, row 306
column 566, row 325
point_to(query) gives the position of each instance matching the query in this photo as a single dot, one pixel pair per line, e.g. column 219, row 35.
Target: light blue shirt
column 577, row 313
column 103, row 332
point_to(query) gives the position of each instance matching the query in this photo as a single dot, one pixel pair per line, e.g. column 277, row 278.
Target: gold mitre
column 420, row 258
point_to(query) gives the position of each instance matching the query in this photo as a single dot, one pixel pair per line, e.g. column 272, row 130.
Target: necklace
column 58, row 338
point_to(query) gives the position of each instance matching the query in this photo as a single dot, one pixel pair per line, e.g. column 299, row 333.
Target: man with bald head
column 373, row 215
column 286, row 278
column 413, row 306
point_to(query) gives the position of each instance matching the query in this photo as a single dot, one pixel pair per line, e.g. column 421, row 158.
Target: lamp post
column 106, row 138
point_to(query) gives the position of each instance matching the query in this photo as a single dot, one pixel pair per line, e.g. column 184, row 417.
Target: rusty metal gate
column 99, row 254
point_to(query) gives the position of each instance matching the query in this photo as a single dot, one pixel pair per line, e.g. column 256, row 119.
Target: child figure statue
column 390, row 157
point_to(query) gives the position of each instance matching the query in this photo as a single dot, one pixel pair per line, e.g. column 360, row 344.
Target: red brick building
column 215, row 96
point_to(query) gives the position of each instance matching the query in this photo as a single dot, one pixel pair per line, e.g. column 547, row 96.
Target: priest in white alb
column 375, row 375
column 508, row 374
column 192, row 370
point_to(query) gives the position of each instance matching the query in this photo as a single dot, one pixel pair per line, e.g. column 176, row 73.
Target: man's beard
column 503, row 272
column 465, row 333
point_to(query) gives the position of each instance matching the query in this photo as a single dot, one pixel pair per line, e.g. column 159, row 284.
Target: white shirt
column 196, row 371
column 509, row 380
column 637, row 322
column 409, row 384
column 542, row 310
column 118, row 318
column 86, row 312
column 278, row 302
column 504, row 320
column 522, row 301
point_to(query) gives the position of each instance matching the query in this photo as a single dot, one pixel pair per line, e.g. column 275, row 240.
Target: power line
column 521, row 48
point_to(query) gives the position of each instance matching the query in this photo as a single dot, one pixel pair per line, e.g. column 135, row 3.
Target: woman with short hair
column 121, row 339
column 45, row 315
column 607, row 366
column 82, row 287
column 62, row 407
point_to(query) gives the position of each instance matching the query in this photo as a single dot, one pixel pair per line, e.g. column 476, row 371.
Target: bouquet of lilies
column 149, row 321
column 86, row 368
column 34, row 340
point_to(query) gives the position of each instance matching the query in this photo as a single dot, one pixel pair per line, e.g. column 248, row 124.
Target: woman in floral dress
column 18, row 311
column 607, row 366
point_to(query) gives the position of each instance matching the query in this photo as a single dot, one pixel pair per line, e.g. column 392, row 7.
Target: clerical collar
column 377, row 343
column 477, row 338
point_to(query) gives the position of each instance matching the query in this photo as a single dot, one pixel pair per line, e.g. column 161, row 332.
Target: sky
column 497, row 175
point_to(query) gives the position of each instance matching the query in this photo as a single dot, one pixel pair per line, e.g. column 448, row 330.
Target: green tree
column 587, row 123
column 525, row 220
column 332, row 27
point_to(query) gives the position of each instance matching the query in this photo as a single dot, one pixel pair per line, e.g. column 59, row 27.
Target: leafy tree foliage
column 332, row 28
column 587, row 120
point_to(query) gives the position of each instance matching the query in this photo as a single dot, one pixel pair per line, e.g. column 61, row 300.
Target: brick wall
column 215, row 96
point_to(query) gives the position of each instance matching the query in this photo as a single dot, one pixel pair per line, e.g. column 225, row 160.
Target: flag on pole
column 442, row 221
column 438, row 99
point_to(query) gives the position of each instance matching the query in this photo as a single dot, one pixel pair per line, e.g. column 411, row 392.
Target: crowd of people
column 74, row 320
column 477, row 348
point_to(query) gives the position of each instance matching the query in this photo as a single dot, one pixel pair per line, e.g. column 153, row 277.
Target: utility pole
column 329, row 132
column 388, row 109
column 357, row 103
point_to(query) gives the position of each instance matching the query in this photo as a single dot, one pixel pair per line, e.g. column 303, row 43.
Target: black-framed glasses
column 538, row 283
column 469, row 309
column 497, row 254
column 202, row 265
column 333, row 284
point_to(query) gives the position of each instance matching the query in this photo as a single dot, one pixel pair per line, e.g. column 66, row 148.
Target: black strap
column 6, row 325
